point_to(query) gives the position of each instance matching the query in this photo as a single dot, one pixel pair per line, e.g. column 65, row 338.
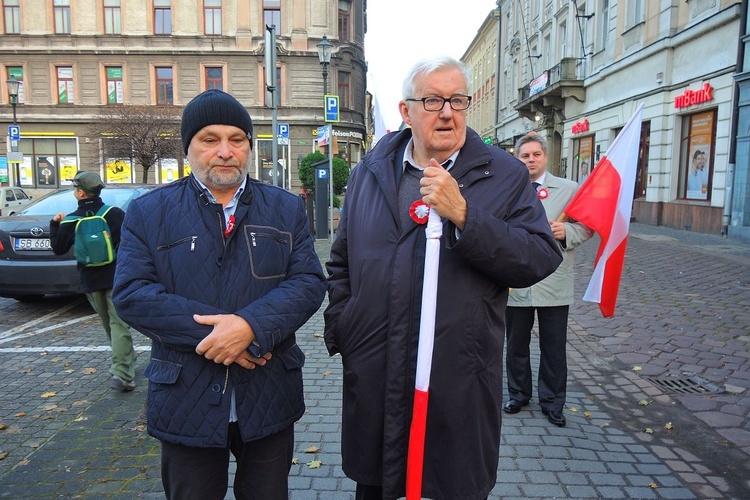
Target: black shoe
column 555, row 417
column 513, row 406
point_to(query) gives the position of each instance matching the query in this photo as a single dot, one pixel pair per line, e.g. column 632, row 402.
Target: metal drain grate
column 689, row 384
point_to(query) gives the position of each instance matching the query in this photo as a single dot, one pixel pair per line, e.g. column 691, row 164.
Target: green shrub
column 340, row 174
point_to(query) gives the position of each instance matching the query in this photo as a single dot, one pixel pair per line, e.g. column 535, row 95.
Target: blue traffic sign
column 322, row 173
column 283, row 131
column 332, row 108
column 14, row 132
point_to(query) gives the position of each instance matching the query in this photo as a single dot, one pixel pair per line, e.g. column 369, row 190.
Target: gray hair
column 429, row 66
column 531, row 138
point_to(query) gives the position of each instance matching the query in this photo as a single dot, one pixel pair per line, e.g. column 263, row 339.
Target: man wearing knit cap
column 219, row 270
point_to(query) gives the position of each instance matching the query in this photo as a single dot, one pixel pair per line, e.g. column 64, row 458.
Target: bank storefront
column 682, row 161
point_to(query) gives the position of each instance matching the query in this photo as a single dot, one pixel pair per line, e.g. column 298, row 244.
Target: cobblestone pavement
column 682, row 314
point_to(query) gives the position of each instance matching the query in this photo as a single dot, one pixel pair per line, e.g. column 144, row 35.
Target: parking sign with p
column 332, row 108
column 14, row 132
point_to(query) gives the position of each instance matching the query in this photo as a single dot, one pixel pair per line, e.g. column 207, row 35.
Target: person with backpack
column 94, row 232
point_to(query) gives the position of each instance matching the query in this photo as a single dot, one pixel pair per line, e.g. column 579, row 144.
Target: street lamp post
column 14, row 156
column 13, row 85
column 324, row 55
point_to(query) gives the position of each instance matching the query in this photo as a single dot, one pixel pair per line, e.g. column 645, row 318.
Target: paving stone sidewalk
column 683, row 315
column 84, row 441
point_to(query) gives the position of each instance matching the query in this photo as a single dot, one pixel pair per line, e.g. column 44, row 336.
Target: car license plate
column 33, row 244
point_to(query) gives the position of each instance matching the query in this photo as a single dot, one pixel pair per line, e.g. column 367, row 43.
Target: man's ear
column 403, row 107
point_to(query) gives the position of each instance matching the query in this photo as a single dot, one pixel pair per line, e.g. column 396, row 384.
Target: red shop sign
column 580, row 127
column 691, row 97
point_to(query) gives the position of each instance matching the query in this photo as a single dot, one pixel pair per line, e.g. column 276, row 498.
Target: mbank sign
column 691, row 97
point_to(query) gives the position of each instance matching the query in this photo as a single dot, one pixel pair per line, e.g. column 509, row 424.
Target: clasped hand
column 228, row 341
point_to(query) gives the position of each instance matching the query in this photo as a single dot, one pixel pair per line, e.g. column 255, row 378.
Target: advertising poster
column 114, row 85
column 585, row 150
column 3, row 169
column 698, row 161
column 117, row 171
column 169, row 170
column 324, row 135
column 46, row 173
column 25, row 173
column 68, row 170
column 17, row 73
column 65, row 85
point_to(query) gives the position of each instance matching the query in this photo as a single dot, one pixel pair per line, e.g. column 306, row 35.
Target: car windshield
column 65, row 202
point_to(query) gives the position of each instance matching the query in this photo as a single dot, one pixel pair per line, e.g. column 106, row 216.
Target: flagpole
column 415, row 454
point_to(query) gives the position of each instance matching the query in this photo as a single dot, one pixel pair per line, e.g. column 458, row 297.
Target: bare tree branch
column 143, row 133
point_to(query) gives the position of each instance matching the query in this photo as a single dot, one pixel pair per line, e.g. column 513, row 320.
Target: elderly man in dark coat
column 495, row 236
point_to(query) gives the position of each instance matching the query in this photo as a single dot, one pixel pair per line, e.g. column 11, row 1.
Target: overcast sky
column 402, row 32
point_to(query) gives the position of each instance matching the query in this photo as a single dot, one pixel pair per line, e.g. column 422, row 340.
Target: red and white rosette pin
column 419, row 211
column 542, row 194
column 230, row 226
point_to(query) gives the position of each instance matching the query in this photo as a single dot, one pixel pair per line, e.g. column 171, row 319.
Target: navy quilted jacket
column 174, row 262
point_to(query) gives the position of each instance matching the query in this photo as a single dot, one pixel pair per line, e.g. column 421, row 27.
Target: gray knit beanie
column 213, row 107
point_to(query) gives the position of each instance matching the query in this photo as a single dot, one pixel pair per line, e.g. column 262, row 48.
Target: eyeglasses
column 436, row 102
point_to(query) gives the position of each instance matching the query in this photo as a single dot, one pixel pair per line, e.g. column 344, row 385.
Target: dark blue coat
column 174, row 262
column 375, row 290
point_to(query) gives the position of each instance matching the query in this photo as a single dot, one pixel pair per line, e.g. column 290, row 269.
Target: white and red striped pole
column 415, row 455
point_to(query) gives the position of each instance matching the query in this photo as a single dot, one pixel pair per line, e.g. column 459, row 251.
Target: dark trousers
column 368, row 492
column 203, row 473
column 553, row 366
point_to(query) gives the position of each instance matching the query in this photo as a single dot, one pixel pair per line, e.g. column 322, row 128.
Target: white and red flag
column 415, row 454
column 603, row 203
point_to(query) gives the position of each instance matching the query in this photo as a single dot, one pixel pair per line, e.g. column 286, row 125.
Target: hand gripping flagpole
column 415, row 456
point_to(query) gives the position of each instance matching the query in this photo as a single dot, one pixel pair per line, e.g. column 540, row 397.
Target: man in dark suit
column 550, row 298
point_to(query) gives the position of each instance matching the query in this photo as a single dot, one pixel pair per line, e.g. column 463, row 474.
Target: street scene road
column 657, row 396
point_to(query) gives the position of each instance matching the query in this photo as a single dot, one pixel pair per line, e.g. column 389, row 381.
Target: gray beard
column 213, row 179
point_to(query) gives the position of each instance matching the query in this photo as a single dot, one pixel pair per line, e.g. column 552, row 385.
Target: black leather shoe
column 555, row 417
column 513, row 406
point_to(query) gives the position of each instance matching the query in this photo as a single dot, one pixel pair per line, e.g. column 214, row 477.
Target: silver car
column 29, row 268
